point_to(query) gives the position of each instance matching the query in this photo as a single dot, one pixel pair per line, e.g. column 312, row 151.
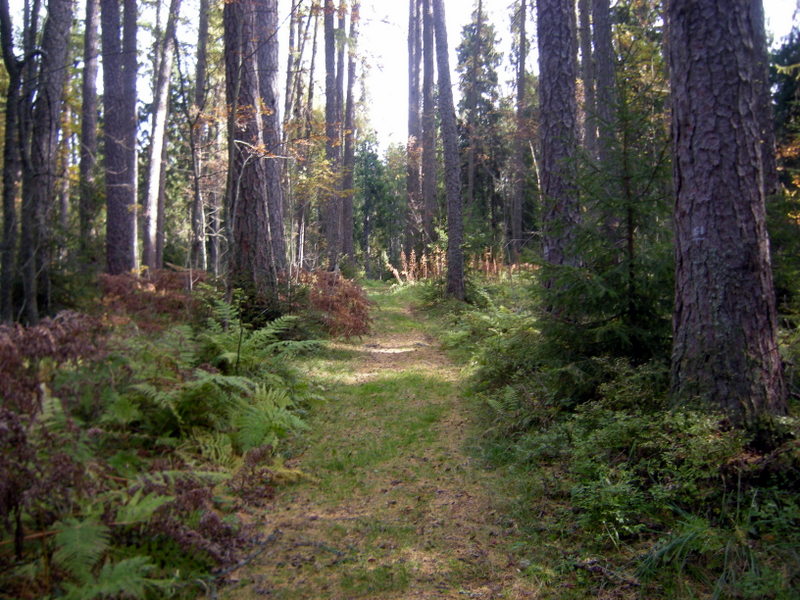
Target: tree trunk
column 520, row 139
column 588, row 79
column 158, row 133
column 268, row 66
column 87, row 208
column 40, row 172
column 725, row 351
column 428, row 127
column 413, row 167
column 605, row 83
column 452, row 170
column 198, row 137
column 251, row 265
column 302, row 204
column 11, row 164
column 332, row 206
column 348, row 250
column 119, row 133
column 766, row 117
column 558, row 130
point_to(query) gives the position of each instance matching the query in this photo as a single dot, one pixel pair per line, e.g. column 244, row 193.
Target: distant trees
column 481, row 136
column 725, row 351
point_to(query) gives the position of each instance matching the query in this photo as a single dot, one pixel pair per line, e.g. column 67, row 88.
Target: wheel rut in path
column 393, row 506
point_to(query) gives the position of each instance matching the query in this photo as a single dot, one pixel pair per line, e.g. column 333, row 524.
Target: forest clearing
column 545, row 345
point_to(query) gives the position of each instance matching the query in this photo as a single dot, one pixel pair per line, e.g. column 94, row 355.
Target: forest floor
column 393, row 505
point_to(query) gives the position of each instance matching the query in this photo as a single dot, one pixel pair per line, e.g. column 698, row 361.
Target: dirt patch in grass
column 395, row 507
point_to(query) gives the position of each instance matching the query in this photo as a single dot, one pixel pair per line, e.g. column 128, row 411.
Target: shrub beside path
column 393, row 505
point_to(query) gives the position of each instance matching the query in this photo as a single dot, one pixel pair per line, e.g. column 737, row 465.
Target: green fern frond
column 122, row 410
column 264, row 421
column 80, row 545
column 53, row 416
column 140, row 508
column 169, row 478
column 126, row 578
column 215, row 447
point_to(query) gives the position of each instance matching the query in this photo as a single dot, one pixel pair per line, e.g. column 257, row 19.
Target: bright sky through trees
column 383, row 39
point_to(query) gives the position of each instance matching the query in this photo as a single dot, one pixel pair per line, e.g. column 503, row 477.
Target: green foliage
column 576, row 412
column 80, row 545
column 127, row 578
column 117, row 465
column 264, row 419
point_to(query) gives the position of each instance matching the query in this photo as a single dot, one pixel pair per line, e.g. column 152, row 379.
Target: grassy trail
column 394, row 507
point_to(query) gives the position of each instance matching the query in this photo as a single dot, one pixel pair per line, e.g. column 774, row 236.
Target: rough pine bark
column 11, row 164
column 87, row 168
column 158, row 133
column 428, row 126
column 268, row 71
column 452, row 170
column 348, row 250
column 119, row 132
column 558, row 130
column 250, row 264
column 40, row 172
column 725, row 352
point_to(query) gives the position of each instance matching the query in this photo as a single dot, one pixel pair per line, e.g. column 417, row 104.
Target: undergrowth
column 132, row 441
column 620, row 493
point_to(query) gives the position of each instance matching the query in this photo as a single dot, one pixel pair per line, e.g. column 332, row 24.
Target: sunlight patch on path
column 395, row 507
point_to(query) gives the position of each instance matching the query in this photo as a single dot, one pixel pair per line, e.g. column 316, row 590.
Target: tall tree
column 725, row 351
column 413, row 173
column 253, row 263
column 198, row 134
column 452, row 168
column 11, row 163
column 558, row 129
column 40, row 167
column 587, row 78
column 348, row 250
column 88, row 152
column 606, row 97
column 521, row 137
column 119, row 131
column 165, row 49
column 332, row 208
column 428, row 126
column 268, row 67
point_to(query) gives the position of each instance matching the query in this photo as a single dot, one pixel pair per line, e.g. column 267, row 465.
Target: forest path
column 395, row 507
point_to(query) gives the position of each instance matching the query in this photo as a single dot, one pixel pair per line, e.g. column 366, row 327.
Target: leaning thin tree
column 725, row 351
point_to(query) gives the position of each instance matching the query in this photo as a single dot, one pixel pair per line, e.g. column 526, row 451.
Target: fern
column 170, row 478
column 122, row 410
column 215, row 447
column 140, row 507
column 80, row 545
column 264, row 421
column 126, row 578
